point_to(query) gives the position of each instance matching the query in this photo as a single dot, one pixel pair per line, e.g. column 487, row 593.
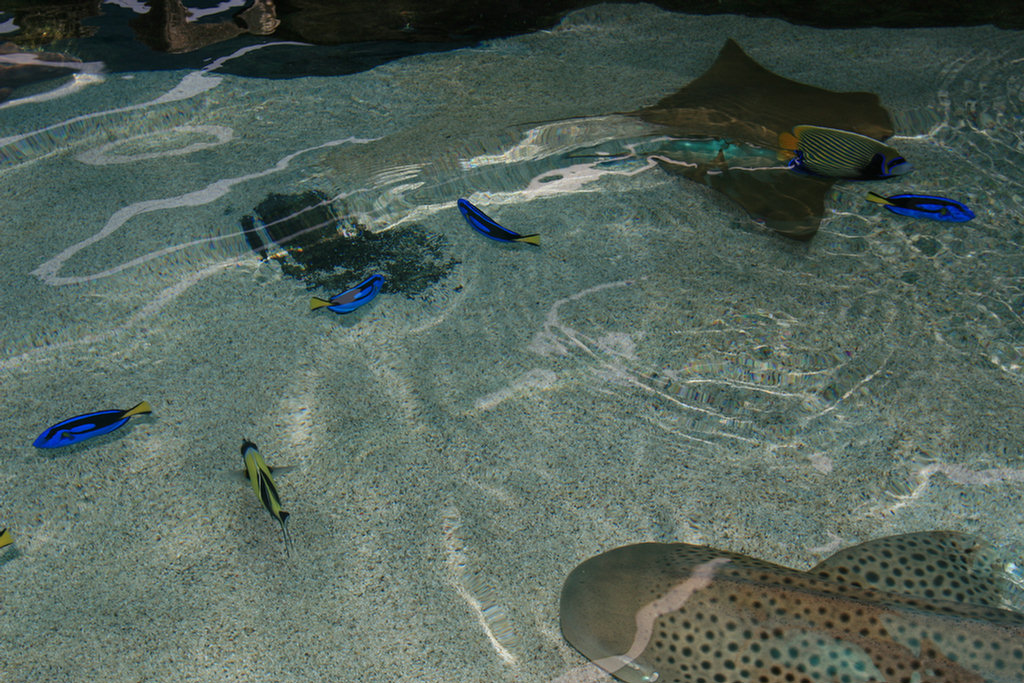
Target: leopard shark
column 929, row 607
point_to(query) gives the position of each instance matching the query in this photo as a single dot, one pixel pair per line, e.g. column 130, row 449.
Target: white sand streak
column 474, row 589
column 47, row 272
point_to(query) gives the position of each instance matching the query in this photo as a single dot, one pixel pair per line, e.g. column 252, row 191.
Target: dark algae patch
column 315, row 243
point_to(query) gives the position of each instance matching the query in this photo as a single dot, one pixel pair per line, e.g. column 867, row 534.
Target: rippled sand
column 660, row 369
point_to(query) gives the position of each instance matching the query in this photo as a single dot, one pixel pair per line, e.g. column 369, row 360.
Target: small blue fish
column 350, row 300
column 924, row 206
column 82, row 427
column 483, row 224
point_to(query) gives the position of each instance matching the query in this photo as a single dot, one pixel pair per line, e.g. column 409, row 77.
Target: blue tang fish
column 351, row 299
column 82, row 427
column 486, row 226
column 924, row 206
column 835, row 153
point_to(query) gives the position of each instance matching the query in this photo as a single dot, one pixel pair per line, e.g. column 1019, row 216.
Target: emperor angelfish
column 916, row 608
column 835, row 153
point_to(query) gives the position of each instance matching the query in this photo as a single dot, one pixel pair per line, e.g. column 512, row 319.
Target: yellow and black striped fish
column 258, row 474
column 835, row 153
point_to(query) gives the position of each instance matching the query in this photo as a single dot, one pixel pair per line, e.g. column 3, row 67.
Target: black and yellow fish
column 834, row 153
column 258, row 474
column 5, row 538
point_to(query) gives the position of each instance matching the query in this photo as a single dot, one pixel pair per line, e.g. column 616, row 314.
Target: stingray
column 739, row 100
column 917, row 608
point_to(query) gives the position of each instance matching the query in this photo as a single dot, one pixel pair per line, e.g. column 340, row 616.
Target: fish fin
column 283, row 516
column 287, row 536
column 138, row 410
column 877, row 198
column 530, row 239
column 788, row 142
column 240, row 476
column 931, row 562
column 5, row 538
column 317, row 302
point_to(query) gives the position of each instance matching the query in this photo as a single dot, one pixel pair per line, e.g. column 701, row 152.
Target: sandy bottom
column 662, row 368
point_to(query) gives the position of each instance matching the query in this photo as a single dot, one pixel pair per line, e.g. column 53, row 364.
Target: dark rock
column 314, row 243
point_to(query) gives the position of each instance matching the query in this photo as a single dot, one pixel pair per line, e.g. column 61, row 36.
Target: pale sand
column 460, row 453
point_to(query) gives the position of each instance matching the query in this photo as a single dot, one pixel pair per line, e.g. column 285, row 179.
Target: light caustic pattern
column 192, row 138
column 48, row 272
column 472, row 586
column 749, row 379
column 917, row 486
column 561, row 158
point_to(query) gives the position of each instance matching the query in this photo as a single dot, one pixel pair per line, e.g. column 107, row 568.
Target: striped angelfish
column 835, row 153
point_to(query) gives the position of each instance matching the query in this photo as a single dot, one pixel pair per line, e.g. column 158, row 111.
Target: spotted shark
column 929, row 607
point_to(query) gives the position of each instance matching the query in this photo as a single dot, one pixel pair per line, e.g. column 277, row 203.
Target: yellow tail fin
column 138, row 410
column 787, row 147
column 5, row 538
column 530, row 239
column 317, row 302
column 877, row 198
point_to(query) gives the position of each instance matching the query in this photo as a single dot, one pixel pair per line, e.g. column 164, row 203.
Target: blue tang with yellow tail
column 487, row 227
column 835, row 153
column 81, row 427
column 5, row 538
column 350, row 299
column 924, row 206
